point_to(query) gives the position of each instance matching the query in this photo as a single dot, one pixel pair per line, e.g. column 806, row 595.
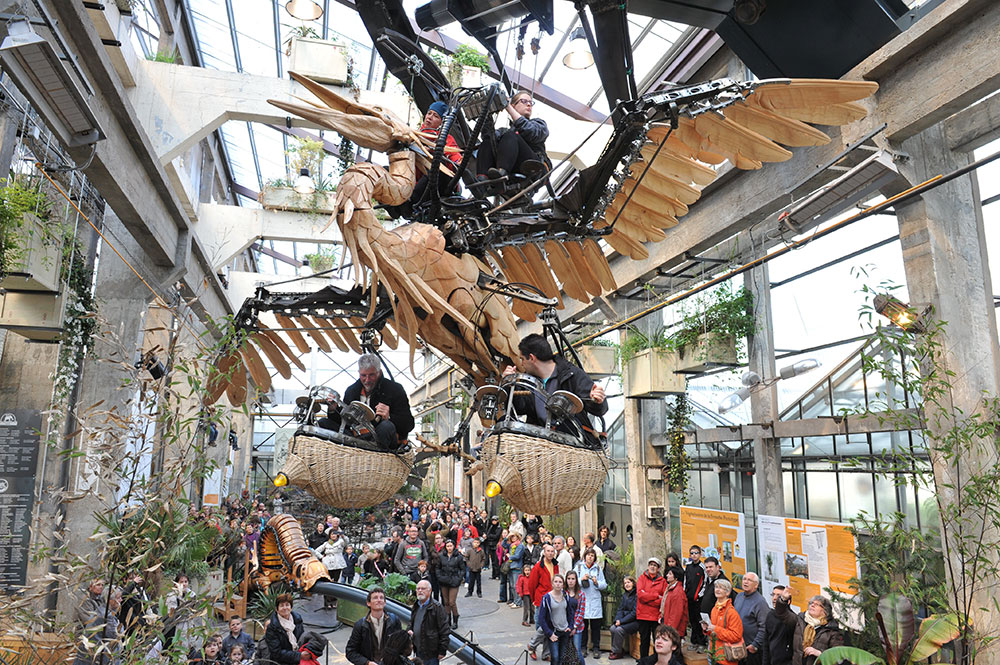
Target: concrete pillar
column 764, row 403
column 946, row 263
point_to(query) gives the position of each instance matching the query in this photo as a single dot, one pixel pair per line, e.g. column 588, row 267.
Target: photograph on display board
column 720, row 534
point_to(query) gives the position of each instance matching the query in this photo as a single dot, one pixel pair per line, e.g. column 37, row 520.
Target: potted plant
column 323, row 260
column 466, row 67
column 598, row 358
column 323, row 60
column 649, row 365
column 281, row 195
column 709, row 334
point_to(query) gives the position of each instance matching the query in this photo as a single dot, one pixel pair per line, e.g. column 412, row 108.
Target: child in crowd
column 351, row 559
column 475, row 559
column 421, row 573
column 238, row 656
column 527, row 609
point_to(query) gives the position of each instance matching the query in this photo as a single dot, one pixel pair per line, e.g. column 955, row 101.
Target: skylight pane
column 255, row 35
column 211, row 24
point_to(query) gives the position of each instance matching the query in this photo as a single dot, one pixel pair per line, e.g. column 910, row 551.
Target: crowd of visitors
column 445, row 546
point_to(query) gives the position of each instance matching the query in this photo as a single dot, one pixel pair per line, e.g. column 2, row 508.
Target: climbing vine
column 678, row 462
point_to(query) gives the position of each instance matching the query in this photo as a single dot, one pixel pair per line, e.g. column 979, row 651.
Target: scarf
column 289, row 626
column 809, row 634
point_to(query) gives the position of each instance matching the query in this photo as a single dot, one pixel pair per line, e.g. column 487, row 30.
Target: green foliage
column 305, row 154
column 15, row 201
column 894, row 558
column 469, row 56
column 635, row 341
column 723, row 312
column 396, row 586
column 901, row 644
column 678, row 463
column 961, row 442
column 324, row 259
column 265, row 603
column 163, row 56
column 304, row 32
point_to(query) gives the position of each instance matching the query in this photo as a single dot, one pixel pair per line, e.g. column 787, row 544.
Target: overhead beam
column 974, row 127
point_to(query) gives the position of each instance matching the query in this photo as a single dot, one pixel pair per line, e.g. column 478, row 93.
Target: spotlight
column 304, row 184
column 733, row 400
column 897, row 311
column 752, row 382
column 304, row 10
column 280, row 480
column 579, row 56
column 801, row 367
column 493, row 489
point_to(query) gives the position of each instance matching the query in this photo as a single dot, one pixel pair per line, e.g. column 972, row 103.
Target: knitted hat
column 439, row 107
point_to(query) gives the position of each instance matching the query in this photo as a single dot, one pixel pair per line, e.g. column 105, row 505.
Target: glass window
column 710, row 490
column 857, row 493
column 852, row 445
column 823, row 500
column 788, row 480
column 818, row 446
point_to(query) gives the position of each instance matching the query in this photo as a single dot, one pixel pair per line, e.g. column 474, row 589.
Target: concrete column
column 764, row 403
column 946, row 263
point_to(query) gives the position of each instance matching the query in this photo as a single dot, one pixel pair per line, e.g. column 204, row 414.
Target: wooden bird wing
column 274, row 329
column 749, row 125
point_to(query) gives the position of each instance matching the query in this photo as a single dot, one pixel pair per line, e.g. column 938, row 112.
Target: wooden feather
column 261, row 377
column 627, row 246
column 599, row 264
column 218, row 378
column 236, row 389
column 281, row 344
column 536, row 261
column 835, row 114
column 679, row 166
column 562, row 265
column 590, row 281
column 810, row 93
column 273, row 354
column 734, row 137
column 344, row 328
column 306, row 324
column 672, row 187
column 331, row 332
column 293, row 333
column 786, row 131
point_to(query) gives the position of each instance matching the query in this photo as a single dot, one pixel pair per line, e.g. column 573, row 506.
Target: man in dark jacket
column 713, row 573
column 694, row 587
column 493, row 534
column 390, row 547
column 779, row 629
column 429, row 625
column 538, row 360
column 523, row 142
column 393, row 419
column 364, row 646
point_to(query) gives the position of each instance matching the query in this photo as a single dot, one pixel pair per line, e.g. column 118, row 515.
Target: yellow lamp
column 493, row 489
column 280, row 480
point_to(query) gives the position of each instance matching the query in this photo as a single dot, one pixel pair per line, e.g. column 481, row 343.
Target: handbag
column 568, row 654
column 505, row 567
column 732, row 651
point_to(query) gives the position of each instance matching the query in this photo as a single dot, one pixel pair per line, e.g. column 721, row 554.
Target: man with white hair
column 563, row 557
column 393, row 419
column 753, row 611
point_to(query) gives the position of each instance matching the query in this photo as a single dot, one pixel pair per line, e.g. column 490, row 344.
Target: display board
column 19, row 442
column 718, row 533
column 806, row 555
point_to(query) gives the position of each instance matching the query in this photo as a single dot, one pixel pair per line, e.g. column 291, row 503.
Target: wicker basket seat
column 345, row 476
column 543, row 477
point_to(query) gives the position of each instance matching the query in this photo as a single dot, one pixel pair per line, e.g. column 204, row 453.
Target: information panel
column 718, row 533
column 19, row 441
column 806, row 555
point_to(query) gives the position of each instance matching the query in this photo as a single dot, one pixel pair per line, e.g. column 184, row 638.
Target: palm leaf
column 935, row 631
column 851, row 655
column 896, row 613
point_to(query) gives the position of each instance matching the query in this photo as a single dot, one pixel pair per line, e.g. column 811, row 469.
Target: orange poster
column 718, row 533
column 807, row 556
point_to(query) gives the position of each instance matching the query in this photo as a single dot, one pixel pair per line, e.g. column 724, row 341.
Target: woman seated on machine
column 519, row 148
column 432, row 127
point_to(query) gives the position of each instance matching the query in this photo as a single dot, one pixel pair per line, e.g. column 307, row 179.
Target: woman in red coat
column 650, row 588
column 674, row 608
column 726, row 628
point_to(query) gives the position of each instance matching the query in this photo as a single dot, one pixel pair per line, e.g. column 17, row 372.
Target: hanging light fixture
column 579, row 56
column 304, row 184
column 897, row 311
column 304, row 10
column 493, row 489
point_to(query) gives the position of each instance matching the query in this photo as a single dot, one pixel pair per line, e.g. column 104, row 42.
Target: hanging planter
column 709, row 350
column 652, row 373
column 34, row 264
column 37, row 315
column 274, row 197
column 598, row 361
column 322, row 60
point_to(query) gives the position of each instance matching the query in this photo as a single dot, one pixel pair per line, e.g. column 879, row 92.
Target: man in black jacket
column 429, row 625
column 393, row 419
column 364, row 646
column 713, row 573
column 779, row 629
column 523, row 141
column 538, row 360
column 694, row 587
column 493, row 532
